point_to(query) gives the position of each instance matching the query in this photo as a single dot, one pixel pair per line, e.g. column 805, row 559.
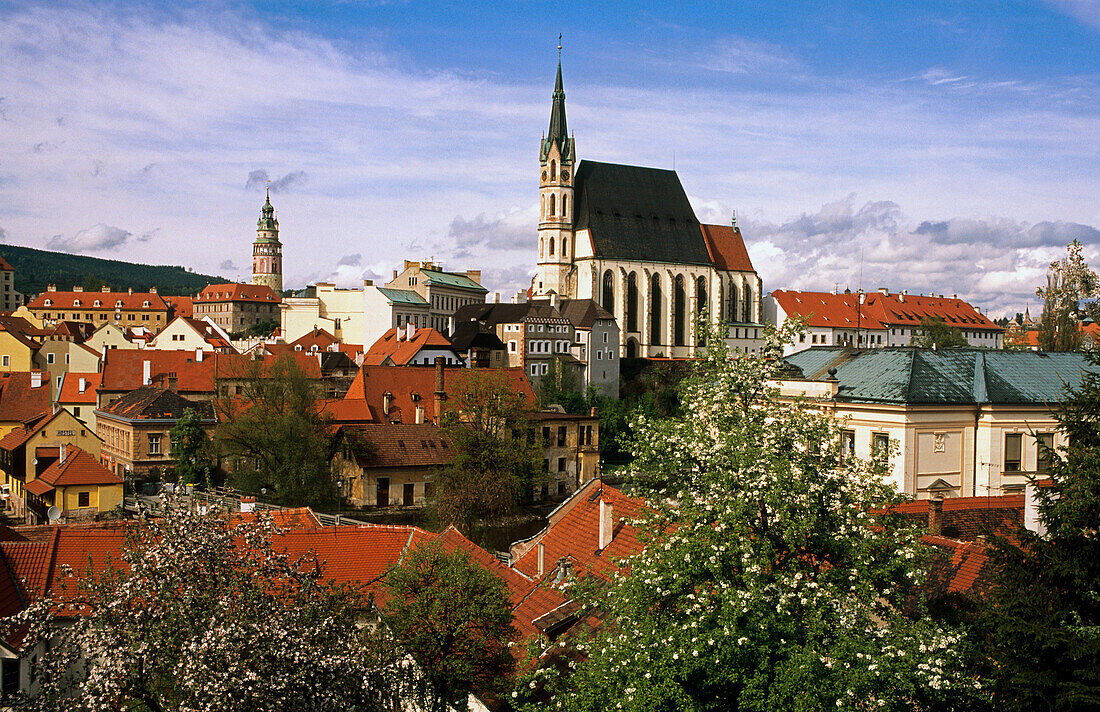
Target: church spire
column 559, row 129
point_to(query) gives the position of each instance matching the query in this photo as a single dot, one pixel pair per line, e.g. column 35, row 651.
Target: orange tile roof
column 78, row 468
column 107, row 300
column 18, row 400
column 406, row 445
column 317, row 337
column 575, row 535
column 4, row 264
column 122, row 369
column 31, row 563
column 20, row 435
column 967, row 565
column 182, row 306
column 70, row 388
column 970, row 517
column 400, row 350
column 880, row 311
column 236, row 292
column 347, row 412
column 727, row 248
column 373, row 382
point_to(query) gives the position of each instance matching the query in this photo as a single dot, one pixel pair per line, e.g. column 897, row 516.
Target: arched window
column 655, row 310
column 542, row 247
column 564, row 245
column 746, row 304
column 608, row 292
column 564, row 212
column 631, row 349
column 679, row 300
column 732, row 309
column 553, row 170
column 632, row 302
column 552, row 205
column 701, row 308
column 551, row 242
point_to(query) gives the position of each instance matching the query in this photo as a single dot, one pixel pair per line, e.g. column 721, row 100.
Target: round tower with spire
column 556, row 159
column 267, row 251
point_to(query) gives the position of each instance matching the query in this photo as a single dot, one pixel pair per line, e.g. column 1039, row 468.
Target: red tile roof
column 236, row 292
column 182, row 306
column 122, row 370
column 205, row 330
column 18, row 400
column 5, row 266
column 967, row 518
column 727, row 248
column 400, row 350
column 107, row 300
column 373, row 382
column 348, row 411
column 880, row 311
column 21, row 434
column 967, row 565
column 78, row 468
column 573, row 533
column 406, row 446
column 317, row 337
column 70, row 392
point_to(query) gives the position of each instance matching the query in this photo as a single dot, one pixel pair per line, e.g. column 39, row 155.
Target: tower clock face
column 544, row 176
column 565, row 175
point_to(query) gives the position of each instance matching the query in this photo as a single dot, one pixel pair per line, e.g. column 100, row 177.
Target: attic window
column 97, row 303
column 118, row 303
column 49, row 302
column 77, row 303
column 145, row 304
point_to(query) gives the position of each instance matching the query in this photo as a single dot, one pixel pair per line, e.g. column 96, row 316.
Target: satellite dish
column 53, row 514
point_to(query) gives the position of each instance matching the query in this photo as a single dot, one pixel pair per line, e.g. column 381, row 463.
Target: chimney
column 105, row 289
column 172, row 382
column 419, row 415
column 594, row 412
column 884, row 290
column 440, row 388
column 496, row 297
column 542, row 558
column 606, row 522
column 146, row 372
column 198, row 355
column 36, row 379
column 83, row 384
column 129, row 290
column 78, row 289
column 395, row 271
column 410, row 331
column 152, row 290
column 935, row 515
column 387, row 401
column 51, row 287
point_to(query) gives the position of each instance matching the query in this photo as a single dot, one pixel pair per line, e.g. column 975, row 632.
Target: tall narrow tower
column 556, row 158
column 267, row 251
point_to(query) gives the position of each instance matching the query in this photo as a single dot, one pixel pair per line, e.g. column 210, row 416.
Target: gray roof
column 916, row 376
column 583, row 313
column 636, row 213
column 493, row 314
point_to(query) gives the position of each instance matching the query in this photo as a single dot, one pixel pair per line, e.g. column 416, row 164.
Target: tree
column 1071, row 293
column 203, row 613
column 935, row 332
column 191, row 450
column 277, row 435
column 559, row 386
column 768, row 582
column 1042, row 622
column 454, row 618
column 497, row 456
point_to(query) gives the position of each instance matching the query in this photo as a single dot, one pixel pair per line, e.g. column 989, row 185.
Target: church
column 627, row 237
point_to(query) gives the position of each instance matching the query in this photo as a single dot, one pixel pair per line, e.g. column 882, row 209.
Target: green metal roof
column 948, row 377
column 402, row 296
column 450, row 279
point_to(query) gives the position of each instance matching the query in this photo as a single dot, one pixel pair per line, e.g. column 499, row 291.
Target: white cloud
column 97, row 238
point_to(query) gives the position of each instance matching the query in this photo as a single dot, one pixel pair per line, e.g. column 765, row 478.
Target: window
column 655, row 309
column 1043, row 459
column 679, row 305
column 154, row 444
column 10, row 676
column 7, row 360
column 561, row 436
column 847, row 443
column 512, row 346
column 49, row 358
column 880, row 446
column 76, row 411
column 632, row 302
column 534, row 369
column 83, row 499
column 1013, row 445
column 561, row 464
column 608, row 292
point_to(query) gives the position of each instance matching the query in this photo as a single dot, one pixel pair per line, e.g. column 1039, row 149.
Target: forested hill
column 34, row 269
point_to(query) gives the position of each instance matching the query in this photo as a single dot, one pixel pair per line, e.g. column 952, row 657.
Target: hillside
column 34, row 269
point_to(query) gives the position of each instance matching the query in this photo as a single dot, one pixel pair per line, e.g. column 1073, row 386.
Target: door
column 383, row 492
column 407, row 498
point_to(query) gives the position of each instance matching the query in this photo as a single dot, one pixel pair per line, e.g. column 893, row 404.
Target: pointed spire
column 559, row 129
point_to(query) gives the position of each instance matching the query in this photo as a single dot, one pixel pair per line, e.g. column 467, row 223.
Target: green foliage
column 934, row 331
column 277, row 436
column 497, row 462
column 263, row 330
column 767, row 582
column 192, row 462
column 455, row 618
column 1043, row 617
column 35, row 269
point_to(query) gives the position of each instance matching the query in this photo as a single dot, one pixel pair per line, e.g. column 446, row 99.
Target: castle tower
column 556, row 159
column 267, row 251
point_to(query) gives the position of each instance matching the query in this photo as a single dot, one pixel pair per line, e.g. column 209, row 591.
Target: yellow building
column 28, row 451
column 20, row 341
column 77, row 484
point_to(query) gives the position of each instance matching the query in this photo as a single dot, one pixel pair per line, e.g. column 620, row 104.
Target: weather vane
column 559, row 45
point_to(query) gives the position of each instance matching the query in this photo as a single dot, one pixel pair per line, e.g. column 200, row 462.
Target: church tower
column 267, row 251
column 556, row 159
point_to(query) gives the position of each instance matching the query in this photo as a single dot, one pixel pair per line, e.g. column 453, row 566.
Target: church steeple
column 267, row 251
column 559, row 129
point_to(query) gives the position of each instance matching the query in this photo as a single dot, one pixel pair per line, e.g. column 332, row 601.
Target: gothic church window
column 551, row 239
column 632, row 302
column 701, row 306
column 552, row 213
column 553, row 171
column 679, row 300
column 655, row 310
column 608, row 292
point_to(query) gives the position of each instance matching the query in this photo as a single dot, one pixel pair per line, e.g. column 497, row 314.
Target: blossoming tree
column 201, row 613
column 768, row 581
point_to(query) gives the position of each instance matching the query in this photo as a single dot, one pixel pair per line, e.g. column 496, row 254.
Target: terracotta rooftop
column 406, row 446
column 317, row 337
column 98, row 300
column 123, row 368
column 400, row 349
column 727, row 248
column 880, row 311
column 181, row 306
column 235, row 292
column 71, row 393
column 967, row 518
column 22, row 433
column 153, row 403
column 19, row 400
column 78, row 468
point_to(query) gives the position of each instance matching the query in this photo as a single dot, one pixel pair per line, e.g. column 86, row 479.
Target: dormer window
column 145, row 304
column 118, row 304
column 77, row 302
column 97, row 303
column 49, row 302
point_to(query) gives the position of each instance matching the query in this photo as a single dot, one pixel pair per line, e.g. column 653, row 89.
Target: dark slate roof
column 636, row 213
column 948, row 376
column 474, row 334
column 493, row 314
column 583, row 313
column 151, row 403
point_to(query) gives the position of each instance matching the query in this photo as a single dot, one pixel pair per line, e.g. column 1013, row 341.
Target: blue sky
column 951, row 147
